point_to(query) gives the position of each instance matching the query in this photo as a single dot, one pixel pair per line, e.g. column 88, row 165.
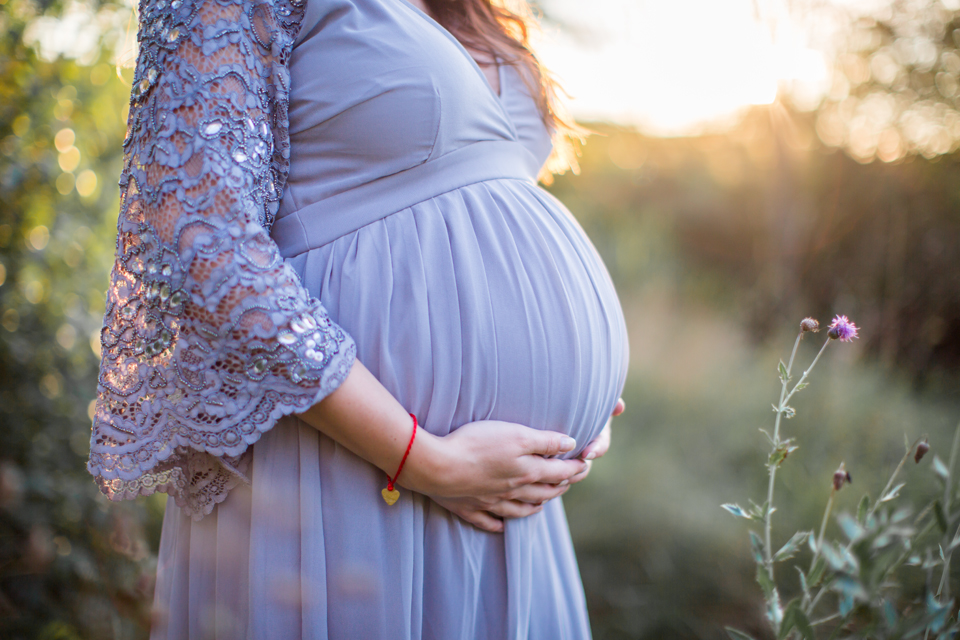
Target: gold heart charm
column 390, row 496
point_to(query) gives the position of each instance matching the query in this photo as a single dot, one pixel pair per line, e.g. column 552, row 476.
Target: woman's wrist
column 428, row 465
column 362, row 416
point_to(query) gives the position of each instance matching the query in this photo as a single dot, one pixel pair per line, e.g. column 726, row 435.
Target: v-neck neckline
column 446, row 32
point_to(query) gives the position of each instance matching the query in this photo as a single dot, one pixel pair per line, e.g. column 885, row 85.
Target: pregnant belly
column 487, row 302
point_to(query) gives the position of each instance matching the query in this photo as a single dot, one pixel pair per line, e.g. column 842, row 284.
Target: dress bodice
column 398, row 91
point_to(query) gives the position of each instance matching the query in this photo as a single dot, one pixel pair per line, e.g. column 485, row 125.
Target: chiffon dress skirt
column 412, row 212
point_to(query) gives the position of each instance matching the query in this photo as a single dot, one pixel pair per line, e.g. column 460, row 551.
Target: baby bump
column 487, row 302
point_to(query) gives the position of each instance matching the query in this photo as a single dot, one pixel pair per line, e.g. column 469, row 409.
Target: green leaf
column 804, row 627
column 803, row 583
column 816, row 573
column 794, row 617
column 736, row 510
column 893, row 493
column 766, row 584
column 781, row 452
column 851, row 528
column 737, row 635
column 784, row 376
column 848, row 587
column 863, row 508
column 834, row 559
column 846, row 606
column 789, row 550
column 938, row 612
column 939, row 468
column 801, row 386
column 890, row 613
column 774, row 610
column 760, row 513
column 756, row 545
column 941, row 516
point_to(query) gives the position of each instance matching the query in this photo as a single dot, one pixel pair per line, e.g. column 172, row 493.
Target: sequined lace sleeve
column 208, row 337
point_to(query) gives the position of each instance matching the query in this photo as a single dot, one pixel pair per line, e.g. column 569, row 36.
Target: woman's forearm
column 486, row 458
column 365, row 418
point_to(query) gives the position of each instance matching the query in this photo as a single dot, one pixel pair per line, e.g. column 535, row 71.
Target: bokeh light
column 678, row 67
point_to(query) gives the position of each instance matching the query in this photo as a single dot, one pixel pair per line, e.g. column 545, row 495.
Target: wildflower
column 922, row 449
column 842, row 329
column 840, row 477
column 809, row 324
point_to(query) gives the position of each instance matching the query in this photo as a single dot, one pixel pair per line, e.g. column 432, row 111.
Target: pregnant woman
column 330, row 224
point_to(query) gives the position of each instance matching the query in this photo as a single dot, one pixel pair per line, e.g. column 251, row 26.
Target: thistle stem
column 893, row 477
column 803, row 378
column 823, row 528
column 953, row 462
column 944, row 587
column 768, row 524
column 830, row 618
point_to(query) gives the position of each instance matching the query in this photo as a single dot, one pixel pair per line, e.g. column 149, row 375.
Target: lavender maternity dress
column 411, row 212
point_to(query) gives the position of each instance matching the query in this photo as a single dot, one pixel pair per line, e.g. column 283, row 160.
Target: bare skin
column 483, row 60
column 503, row 466
column 487, row 512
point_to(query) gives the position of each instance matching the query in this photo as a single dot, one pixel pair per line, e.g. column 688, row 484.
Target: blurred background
column 752, row 162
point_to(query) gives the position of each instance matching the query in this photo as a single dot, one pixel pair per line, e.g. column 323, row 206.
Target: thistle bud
column 922, row 449
column 840, row 477
column 809, row 324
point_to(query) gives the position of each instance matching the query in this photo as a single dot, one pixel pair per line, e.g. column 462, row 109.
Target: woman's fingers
column 582, row 475
column 620, row 408
column 554, row 471
column 514, row 509
column 538, row 492
column 483, row 520
column 469, row 510
column 599, row 446
column 548, row 443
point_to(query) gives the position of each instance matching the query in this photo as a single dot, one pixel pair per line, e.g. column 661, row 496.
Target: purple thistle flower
column 842, row 329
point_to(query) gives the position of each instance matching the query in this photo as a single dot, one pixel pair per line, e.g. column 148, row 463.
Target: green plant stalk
column 823, row 528
column 870, row 514
column 803, row 378
column 944, row 587
column 896, row 472
column 768, row 524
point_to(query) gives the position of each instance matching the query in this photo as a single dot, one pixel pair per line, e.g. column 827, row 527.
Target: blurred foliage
column 70, row 567
column 896, row 86
column 786, row 227
column 717, row 244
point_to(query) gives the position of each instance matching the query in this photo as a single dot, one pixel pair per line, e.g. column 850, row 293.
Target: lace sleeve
column 208, row 336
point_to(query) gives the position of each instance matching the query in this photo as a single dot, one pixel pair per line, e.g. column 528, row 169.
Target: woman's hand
column 489, row 459
column 487, row 512
column 599, row 446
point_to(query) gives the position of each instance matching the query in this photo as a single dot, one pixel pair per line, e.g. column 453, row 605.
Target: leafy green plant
column 860, row 585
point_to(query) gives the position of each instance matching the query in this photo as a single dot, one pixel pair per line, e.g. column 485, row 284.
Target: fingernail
column 567, row 443
column 563, row 483
column 590, row 456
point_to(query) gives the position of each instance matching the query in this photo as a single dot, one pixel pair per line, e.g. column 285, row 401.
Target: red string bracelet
column 391, row 495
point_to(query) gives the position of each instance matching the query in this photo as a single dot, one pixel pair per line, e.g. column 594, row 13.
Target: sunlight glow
column 679, row 67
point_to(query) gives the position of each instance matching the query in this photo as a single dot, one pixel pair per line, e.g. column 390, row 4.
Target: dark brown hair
column 501, row 30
